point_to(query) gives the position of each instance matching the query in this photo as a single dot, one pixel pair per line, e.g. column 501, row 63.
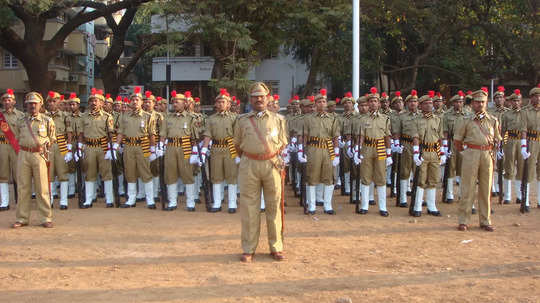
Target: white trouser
column 190, row 195
column 89, row 192
column 132, row 193
column 310, row 194
column 507, row 189
column 403, row 191
column 450, row 191
column 418, row 199
column 347, row 180
column 232, row 196
column 172, row 194
column 364, row 196
column 381, row 197
column 319, row 190
column 109, row 195
column 4, row 194
column 431, row 194
column 149, row 192
column 216, row 190
column 328, row 192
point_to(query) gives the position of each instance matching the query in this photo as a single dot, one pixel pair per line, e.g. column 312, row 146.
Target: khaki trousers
column 136, row 165
column 31, row 166
column 513, row 161
column 455, row 163
column 319, row 166
column 533, row 161
column 95, row 162
column 58, row 167
column 477, row 165
column 430, row 171
column 371, row 168
column 255, row 176
column 8, row 163
column 177, row 167
column 407, row 163
column 223, row 167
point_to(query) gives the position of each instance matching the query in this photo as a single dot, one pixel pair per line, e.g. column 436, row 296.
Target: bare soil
column 142, row 255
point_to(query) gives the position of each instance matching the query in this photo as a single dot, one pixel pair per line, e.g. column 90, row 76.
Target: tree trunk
column 111, row 82
column 313, row 72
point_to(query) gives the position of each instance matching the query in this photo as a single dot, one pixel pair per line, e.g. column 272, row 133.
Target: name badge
column 185, row 125
column 142, row 123
column 42, row 128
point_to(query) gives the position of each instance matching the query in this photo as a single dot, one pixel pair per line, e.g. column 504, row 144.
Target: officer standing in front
column 35, row 134
column 260, row 137
column 480, row 134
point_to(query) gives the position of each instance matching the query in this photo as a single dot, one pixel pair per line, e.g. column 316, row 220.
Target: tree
column 31, row 49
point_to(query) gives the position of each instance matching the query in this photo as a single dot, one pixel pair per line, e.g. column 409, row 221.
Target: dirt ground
column 141, row 255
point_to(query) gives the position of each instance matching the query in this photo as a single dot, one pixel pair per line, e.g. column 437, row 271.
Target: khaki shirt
column 199, row 122
column 394, row 121
column 11, row 118
column 375, row 125
column 512, row 120
column 452, row 120
column 470, row 132
column 271, row 127
column 439, row 112
column 321, row 125
column 220, row 125
column 429, row 129
column 178, row 125
column 347, row 123
column 75, row 123
column 95, row 126
column 157, row 117
column 531, row 119
column 61, row 122
column 299, row 124
column 407, row 123
column 136, row 124
column 497, row 112
column 42, row 127
column 292, row 122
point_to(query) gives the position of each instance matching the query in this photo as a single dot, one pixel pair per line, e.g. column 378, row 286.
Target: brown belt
column 31, row 149
column 260, row 157
column 479, row 147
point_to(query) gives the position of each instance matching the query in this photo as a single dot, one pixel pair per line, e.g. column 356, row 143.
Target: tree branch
column 155, row 39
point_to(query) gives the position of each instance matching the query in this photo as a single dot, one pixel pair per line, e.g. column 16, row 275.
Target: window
column 10, row 61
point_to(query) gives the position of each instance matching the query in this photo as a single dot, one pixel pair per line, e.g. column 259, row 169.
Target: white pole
column 356, row 49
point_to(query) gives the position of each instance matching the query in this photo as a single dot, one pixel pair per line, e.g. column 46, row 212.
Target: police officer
column 403, row 143
column 136, row 128
column 148, row 106
column 96, row 127
column 347, row 120
column 497, row 111
column 375, row 153
column 35, row 132
column 321, row 131
column 530, row 142
column 179, row 133
column 60, row 152
column 428, row 135
column 8, row 158
column 452, row 119
column 224, row 165
column 261, row 136
column 480, row 133
column 511, row 125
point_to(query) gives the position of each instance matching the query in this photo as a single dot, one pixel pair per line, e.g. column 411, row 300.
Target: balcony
column 76, row 44
column 183, row 68
column 61, row 71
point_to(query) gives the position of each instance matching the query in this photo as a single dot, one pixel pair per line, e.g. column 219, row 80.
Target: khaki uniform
column 406, row 128
column 347, row 129
column 58, row 167
column 158, row 118
column 220, row 127
column 8, row 157
column 531, row 124
column 374, row 128
column 94, row 128
column 256, row 175
column 511, row 126
column 320, row 129
column 31, row 166
column 136, row 128
column 479, row 135
column 452, row 120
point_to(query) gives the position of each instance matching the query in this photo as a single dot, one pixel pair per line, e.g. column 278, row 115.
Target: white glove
column 108, row 155
column 341, row 144
column 69, row 147
column 444, row 148
column 69, row 156
column 357, row 157
column 301, row 156
column 397, row 148
column 204, row 150
column 194, row 159
column 152, row 157
column 237, row 160
column 159, row 151
column 350, row 152
column 294, row 140
column 335, row 162
column 79, row 154
column 162, row 146
column 500, row 154
column 524, row 152
column 443, row 159
column 285, row 157
column 416, row 157
column 291, row 147
column 389, row 160
column 76, row 157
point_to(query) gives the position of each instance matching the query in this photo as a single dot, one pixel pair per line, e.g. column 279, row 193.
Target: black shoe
column 355, row 202
column 409, row 193
column 337, row 187
column 55, row 196
column 231, row 210
column 434, row 213
column 190, row 209
column 109, row 205
column 63, row 207
column 362, row 211
column 417, row 214
column 71, row 196
column 151, row 206
column 371, row 202
column 170, row 208
column 473, row 211
column 198, row 201
column 506, row 202
column 263, row 210
column 101, row 195
column 492, row 211
column 424, row 203
column 319, row 203
column 310, row 212
column 525, row 209
column 494, row 194
column 518, row 201
column 128, row 206
column 449, row 201
column 33, row 196
column 4, row 208
column 392, row 194
column 384, row 213
column 403, row 205
column 140, row 199
column 214, row 210
column 330, row 212
column 85, row 206
column 346, row 194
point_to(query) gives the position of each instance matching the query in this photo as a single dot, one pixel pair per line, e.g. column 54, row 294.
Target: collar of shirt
column 427, row 115
column 97, row 113
column 137, row 113
column 180, row 114
column 323, row 114
column 261, row 113
column 480, row 116
column 223, row 113
column 36, row 117
column 9, row 111
column 374, row 114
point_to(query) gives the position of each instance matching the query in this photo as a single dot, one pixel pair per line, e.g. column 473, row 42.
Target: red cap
column 323, row 91
column 72, row 95
column 276, row 97
column 484, row 89
column 414, row 92
column 187, row 94
column 517, row 92
column 384, row 95
column 311, row 98
column 107, row 96
column 373, row 90
column 137, row 90
column 431, row 93
column 148, row 94
column 348, row 94
column 173, row 94
column 61, row 97
column 500, row 88
column 9, row 91
column 296, row 97
column 118, row 98
column 338, row 100
column 461, row 93
column 197, row 99
column 51, row 94
column 398, row 94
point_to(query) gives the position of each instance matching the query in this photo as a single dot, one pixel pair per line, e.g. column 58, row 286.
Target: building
column 281, row 72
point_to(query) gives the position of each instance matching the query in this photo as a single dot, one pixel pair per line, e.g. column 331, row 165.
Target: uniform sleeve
column 460, row 132
column 397, row 127
column 336, row 127
column 416, row 128
column 357, row 127
column 110, row 123
column 67, row 122
column 524, row 121
column 237, row 132
column 207, row 128
column 121, row 125
column 441, row 133
column 151, row 125
column 387, row 128
column 51, row 131
column 496, row 131
column 504, row 119
column 163, row 129
column 445, row 123
column 283, row 133
column 195, row 131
